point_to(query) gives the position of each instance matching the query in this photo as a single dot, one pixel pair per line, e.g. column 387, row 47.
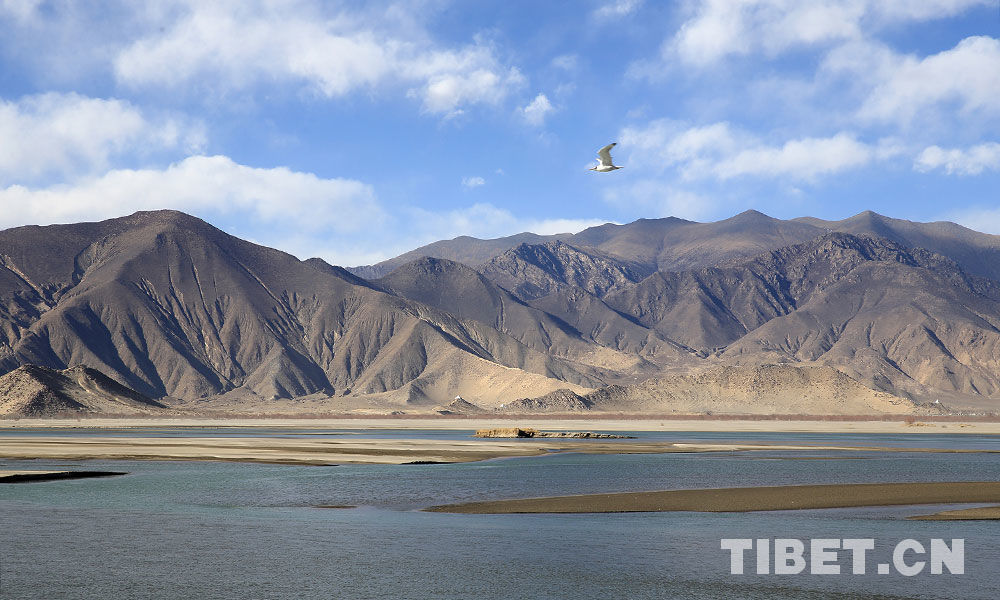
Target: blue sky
column 357, row 131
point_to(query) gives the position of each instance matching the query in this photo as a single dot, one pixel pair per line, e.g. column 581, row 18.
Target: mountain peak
column 868, row 216
column 749, row 216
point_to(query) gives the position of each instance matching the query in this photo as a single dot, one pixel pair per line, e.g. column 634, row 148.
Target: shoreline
column 743, row 499
column 351, row 450
column 949, row 425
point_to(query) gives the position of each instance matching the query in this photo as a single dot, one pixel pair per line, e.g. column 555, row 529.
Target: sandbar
column 984, row 513
column 744, row 499
column 354, row 450
column 278, row 450
column 27, row 476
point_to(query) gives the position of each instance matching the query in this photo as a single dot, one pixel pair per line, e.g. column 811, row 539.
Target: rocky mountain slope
column 171, row 306
column 673, row 244
column 31, row 391
column 762, row 390
column 903, row 320
column 464, row 292
column 618, row 317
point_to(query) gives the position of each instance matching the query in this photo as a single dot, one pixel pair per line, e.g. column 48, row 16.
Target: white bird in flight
column 604, row 159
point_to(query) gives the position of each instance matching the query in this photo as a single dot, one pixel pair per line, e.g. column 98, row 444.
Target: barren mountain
column 464, row 292
column 764, row 390
column 666, row 244
column 902, row 320
column 568, row 282
column 31, row 391
column 977, row 253
column 673, row 244
column 170, row 306
column 464, row 249
column 531, row 271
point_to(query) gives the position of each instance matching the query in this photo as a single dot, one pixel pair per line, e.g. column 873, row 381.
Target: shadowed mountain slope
column 464, row 292
column 977, row 253
column 713, row 307
column 32, row 391
column 532, row 271
column 902, row 320
column 464, row 249
column 171, row 306
column 568, row 282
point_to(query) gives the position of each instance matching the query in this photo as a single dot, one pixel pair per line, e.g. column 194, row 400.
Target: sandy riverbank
column 264, row 449
column 611, row 423
column 350, row 449
column 744, row 499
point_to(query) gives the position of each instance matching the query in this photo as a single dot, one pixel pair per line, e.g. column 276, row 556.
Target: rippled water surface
column 234, row 530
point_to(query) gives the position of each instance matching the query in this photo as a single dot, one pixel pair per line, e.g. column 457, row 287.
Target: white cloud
column 956, row 161
column 967, row 76
column 611, row 9
column 721, row 152
column 473, row 182
column 665, row 143
column 19, row 9
column 720, row 28
column 203, row 185
column 803, row 158
column 453, row 79
column 536, row 110
column 243, row 44
column 69, row 134
column 235, row 45
column 339, row 220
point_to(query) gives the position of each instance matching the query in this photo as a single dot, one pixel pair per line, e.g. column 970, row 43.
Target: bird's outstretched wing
column 604, row 154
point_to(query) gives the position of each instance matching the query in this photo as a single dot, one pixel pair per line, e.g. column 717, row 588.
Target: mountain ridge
column 677, row 244
column 176, row 309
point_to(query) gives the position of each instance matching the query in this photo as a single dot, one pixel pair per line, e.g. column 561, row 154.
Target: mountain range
column 748, row 314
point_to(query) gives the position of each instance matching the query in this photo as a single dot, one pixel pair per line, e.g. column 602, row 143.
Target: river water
column 174, row 529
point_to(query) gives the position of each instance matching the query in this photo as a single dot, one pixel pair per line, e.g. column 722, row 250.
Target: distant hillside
column 673, row 244
column 977, row 253
column 764, row 390
column 464, row 249
column 33, row 391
